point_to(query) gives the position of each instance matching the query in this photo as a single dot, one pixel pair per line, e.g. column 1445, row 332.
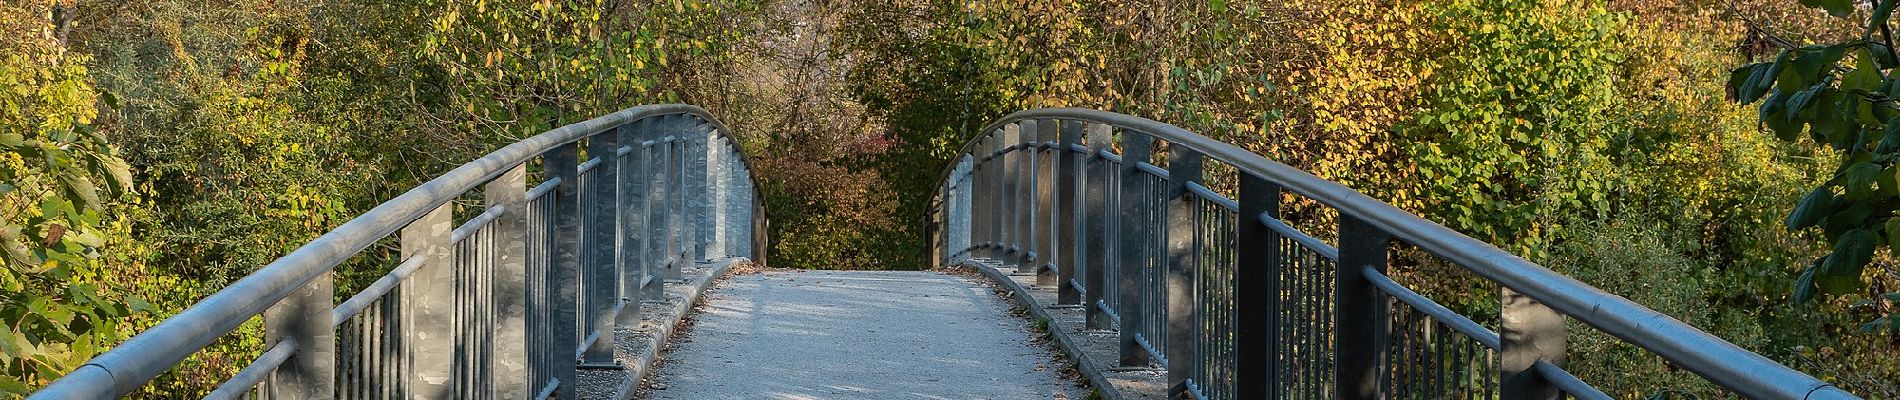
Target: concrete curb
column 638, row 370
column 1097, row 377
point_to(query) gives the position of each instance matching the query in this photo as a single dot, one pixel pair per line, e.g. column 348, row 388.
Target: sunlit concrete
column 858, row 335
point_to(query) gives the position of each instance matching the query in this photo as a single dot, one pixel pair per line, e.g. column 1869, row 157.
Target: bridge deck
column 858, row 335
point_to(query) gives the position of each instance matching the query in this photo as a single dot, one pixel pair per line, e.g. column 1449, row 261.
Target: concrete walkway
column 858, row 335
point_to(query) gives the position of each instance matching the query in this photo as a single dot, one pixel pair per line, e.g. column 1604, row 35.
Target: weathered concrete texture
column 634, row 345
column 858, row 335
column 1095, row 352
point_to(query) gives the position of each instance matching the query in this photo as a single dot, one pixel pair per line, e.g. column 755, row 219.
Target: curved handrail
column 136, row 361
column 1713, row 358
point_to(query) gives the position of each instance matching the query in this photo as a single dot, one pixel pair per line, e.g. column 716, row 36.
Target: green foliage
column 1643, row 262
column 1842, row 95
column 1520, row 119
column 59, row 178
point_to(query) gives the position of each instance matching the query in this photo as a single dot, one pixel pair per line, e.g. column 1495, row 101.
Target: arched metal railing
column 507, row 304
column 1236, row 303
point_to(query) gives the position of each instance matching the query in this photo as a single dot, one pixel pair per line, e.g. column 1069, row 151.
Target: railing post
column 304, row 318
column 510, row 252
column 999, row 194
column 429, row 305
column 1530, row 331
column 962, row 225
column 1024, row 201
column 653, row 234
column 1359, row 316
column 1067, row 169
column 1010, row 237
column 1043, row 216
column 979, row 210
column 1134, row 233
column 1257, row 291
column 601, row 278
column 1184, row 262
column 698, row 207
column 632, row 217
column 564, row 266
column 1095, row 236
column 678, row 244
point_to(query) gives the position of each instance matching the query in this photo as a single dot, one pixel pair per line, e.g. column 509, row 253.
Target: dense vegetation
column 153, row 151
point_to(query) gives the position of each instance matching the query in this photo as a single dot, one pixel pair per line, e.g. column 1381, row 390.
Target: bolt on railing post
column 1529, row 332
column 1098, row 220
column 1359, row 316
column 1257, row 291
column 1067, row 169
column 564, row 266
column 600, row 277
column 1135, row 236
column 304, row 318
column 1043, row 216
column 429, row 304
column 1024, row 199
column 510, row 252
column 632, row 221
column 1184, row 330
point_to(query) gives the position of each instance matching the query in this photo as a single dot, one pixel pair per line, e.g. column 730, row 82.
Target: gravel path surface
column 859, row 335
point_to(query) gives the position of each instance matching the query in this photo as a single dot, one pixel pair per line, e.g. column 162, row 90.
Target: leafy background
column 155, row 151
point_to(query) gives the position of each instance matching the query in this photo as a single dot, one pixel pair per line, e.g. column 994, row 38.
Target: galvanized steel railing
column 507, row 305
column 1236, row 303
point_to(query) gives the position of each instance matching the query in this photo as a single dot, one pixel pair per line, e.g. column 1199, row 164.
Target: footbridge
column 1161, row 263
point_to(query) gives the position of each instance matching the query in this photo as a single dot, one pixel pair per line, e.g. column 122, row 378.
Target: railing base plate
column 613, row 366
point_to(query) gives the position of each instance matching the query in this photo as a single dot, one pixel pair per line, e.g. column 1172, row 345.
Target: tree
column 1843, row 95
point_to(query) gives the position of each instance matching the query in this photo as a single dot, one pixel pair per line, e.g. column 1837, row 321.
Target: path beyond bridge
column 858, row 335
